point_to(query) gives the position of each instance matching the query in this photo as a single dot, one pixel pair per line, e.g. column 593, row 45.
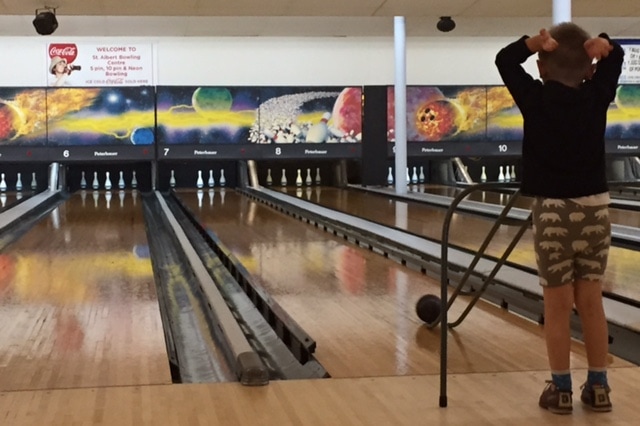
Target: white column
column 400, row 93
column 561, row 11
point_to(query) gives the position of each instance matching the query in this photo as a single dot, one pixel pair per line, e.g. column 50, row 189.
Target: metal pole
column 400, row 93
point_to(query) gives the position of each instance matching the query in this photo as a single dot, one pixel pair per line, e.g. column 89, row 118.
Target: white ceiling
column 337, row 18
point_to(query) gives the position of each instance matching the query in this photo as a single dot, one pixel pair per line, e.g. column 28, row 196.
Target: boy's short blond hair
column 569, row 61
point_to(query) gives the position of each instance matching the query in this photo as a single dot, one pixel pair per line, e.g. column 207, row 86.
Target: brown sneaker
column 556, row 401
column 596, row 398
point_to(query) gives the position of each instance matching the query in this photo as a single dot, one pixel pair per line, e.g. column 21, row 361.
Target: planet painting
column 207, row 99
column 347, row 111
column 10, row 121
column 142, row 136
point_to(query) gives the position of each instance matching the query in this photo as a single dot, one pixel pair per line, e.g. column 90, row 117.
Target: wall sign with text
column 77, row 65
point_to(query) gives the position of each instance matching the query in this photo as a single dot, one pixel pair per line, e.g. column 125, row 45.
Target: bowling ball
column 428, row 308
column 438, row 119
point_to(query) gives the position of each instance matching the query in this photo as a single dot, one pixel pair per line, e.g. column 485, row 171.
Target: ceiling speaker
column 45, row 22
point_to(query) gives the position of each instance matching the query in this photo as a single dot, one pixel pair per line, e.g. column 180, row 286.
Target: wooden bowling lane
column 358, row 305
column 467, row 231
column 78, row 306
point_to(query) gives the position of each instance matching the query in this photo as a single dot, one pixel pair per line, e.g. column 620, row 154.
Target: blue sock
column 595, row 377
column 562, row 381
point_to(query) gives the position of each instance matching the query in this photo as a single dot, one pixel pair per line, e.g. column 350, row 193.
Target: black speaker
column 45, row 22
column 445, row 24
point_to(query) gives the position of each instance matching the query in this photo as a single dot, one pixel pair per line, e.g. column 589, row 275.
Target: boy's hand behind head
column 598, row 48
column 548, row 43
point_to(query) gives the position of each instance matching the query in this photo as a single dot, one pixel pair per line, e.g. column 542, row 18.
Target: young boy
column 563, row 160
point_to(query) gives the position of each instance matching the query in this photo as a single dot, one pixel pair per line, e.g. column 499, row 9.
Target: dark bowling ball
column 428, row 308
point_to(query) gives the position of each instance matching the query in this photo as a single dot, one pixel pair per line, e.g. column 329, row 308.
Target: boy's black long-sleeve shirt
column 563, row 153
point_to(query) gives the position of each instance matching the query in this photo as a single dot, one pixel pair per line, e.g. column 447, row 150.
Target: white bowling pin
column 283, row 179
column 390, row 176
column 172, row 179
column 513, row 172
column 134, row 180
column 501, row 174
column 199, row 181
column 211, row 182
column 483, row 175
column 308, row 181
column 96, row 183
column 414, row 176
column 319, row 131
column 318, row 179
column 299, row 178
column 83, row 181
column 107, row 182
column 223, row 180
column 421, row 176
column 269, row 178
column 121, row 180
column 34, row 183
column 19, row 183
column 3, row 183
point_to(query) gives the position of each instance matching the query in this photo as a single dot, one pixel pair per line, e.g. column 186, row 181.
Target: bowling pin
column 414, row 176
column 107, row 182
column 107, row 196
column 172, row 179
column 308, row 180
column 507, row 175
column 283, row 180
column 318, row 180
column 421, row 176
column 223, row 180
column 211, row 182
column 199, row 181
column 95, row 183
column 390, row 176
column 200, row 197
column 134, row 180
column 3, row 183
column 299, row 178
column 513, row 173
column 501, row 175
column 483, row 175
column 121, row 180
column 19, row 183
column 34, row 183
column 83, row 181
column 319, row 131
column 269, row 178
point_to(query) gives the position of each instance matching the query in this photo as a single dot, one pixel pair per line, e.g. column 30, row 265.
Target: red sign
column 67, row 51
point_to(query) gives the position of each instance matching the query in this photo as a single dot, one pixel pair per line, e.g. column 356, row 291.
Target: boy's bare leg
column 558, row 305
column 588, row 299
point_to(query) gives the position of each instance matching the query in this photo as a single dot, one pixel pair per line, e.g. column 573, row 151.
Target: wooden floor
column 473, row 399
column 383, row 361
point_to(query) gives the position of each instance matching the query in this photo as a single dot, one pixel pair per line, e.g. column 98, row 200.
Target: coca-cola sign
column 67, row 51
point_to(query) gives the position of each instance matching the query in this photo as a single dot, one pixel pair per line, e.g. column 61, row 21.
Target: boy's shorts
column 571, row 241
